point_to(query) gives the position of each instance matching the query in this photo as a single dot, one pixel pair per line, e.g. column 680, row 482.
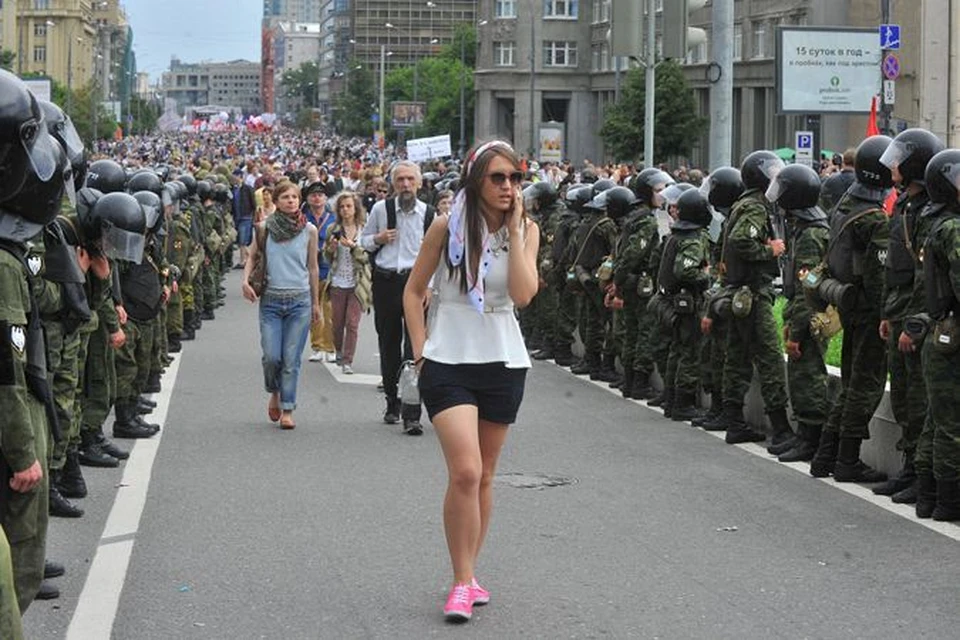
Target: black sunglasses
column 499, row 178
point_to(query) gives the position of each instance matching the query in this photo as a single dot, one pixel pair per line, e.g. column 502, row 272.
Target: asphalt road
column 653, row 530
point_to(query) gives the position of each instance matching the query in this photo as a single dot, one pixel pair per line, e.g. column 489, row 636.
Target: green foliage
column 301, row 83
column 353, row 106
column 438, row 82
column 832, row 356
column 7, row 58
column 677, row 124
column 145, row 114
column 83, row 107
column 465, row 36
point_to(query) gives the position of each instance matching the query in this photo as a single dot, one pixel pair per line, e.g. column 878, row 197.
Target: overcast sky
column 193, row 30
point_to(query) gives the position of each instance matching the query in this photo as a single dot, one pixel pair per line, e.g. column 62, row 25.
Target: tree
column 7, row 58
column 301, row 84
column 466, row 35
column 677, row 125
column 354, row 106
column 145, row 114
column 440, row 89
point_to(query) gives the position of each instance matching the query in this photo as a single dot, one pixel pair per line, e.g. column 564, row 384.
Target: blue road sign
column 890, row 36
column 375, row 118
column 891, row 66
column 804, row 141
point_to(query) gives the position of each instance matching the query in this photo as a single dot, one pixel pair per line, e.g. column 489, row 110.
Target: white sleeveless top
column 459, row 334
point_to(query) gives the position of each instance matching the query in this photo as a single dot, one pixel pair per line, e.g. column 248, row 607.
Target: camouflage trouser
column 187, row 298
column 660, row 348
column 938, row 449
column 547, row 315
column 863, row 375
column 24, row 518
column 100, row 387
column 174, row 312
column 627, row 327
column 568, row 308
column 683, row 362
column 209, row 279
column 753, row 342
column 160, row 345
column 133, row 360
column 594, row 323
column 199, row 295
column 613, row 333
column 10, row 625
column 63, row 350
column 807, row 379
column 908, row 393
column 643, row 346
column 76, row 423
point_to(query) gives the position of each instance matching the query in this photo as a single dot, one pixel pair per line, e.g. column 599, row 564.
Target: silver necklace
column 499, row 241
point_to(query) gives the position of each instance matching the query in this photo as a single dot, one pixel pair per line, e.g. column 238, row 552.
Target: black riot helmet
column 25, row 146
column 602, row 185
column 204, row 190
column 578, row 197
column 221, row 193
column 170, row 195
column 189, row 182
column 152, row 208
column 671, row 195
column 942, row 177
column 106, row 176
column 693, row 211
column 543, row 194
column 910, row 152
column 588, row 176
column 620, row 201
column 86, row 198
column 722, row 188
column 870, row 172
column 39, row 201
column 759, row 168
column 145, row 180
column 796, row 187
column 118, row 221
column 60, row 126
column 648, row 183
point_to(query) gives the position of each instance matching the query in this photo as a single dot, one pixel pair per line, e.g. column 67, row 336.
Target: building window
column 697, row 54
column 560, row 8
column 40, row 54
column 503, row 54
column 759, row 40
column 738, row 42
column 600, row 11
column 558, row 53
column 505, row 9
column 41, row 5
column 40, row 30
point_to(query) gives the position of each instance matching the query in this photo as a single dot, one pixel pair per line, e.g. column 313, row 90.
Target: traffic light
column 678, row 37
column 626, row 25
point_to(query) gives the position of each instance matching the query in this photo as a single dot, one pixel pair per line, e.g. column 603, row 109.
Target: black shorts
column 492, row 388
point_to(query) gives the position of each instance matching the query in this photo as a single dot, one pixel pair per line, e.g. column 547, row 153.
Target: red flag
column 872, row 128
column 891, row 201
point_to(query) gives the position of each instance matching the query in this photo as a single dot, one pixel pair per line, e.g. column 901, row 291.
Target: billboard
column 827, row 70
column 407, row 114
column 551, row 142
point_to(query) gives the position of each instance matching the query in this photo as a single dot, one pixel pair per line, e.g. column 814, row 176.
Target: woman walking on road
column 290, row 299
column 473, row 365
column 350, row 281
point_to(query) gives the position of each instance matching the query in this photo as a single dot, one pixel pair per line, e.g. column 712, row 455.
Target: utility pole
column 383, row 64
column 721, row 91
column 462, row 147
column 533, row 76
column 651, row 86
column 885, row 109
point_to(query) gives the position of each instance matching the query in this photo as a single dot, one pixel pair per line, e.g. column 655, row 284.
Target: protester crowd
column 660, row 282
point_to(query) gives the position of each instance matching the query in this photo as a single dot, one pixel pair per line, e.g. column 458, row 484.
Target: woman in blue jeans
column 290, row 302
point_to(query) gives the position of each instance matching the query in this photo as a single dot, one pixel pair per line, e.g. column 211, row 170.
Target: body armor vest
column 666, row 280
column 940, row 298
column 789, row 267
column 901, row 260
column 844, row 257
column 142, row 290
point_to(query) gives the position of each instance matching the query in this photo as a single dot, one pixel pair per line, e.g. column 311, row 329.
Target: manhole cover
column 533, row 480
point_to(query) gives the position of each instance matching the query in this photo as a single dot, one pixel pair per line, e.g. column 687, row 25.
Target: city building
column 72, row 42
column 574, row 78
column 294, row 43
column 291, row 10
column 228, row 84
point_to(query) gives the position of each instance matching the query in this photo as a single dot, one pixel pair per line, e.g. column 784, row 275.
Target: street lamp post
column 416, row 58
column 533, row 75
column 383, row 64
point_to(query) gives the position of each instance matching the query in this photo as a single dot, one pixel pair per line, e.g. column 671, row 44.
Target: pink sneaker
column 480, row 595
column 459, row 606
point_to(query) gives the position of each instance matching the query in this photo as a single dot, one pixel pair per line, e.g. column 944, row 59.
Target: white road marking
column 906, row 511
column 97, row 607
column 353, row 378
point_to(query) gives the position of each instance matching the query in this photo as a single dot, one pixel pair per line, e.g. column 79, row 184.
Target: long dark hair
column 472, row 184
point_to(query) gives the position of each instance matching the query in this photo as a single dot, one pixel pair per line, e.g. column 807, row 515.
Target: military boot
column 738, row 431
column 713, row 411
column 546, row 353
column 173, row 343
column 71, row 483
column 906, row 496
column 60, row 507
column 902, row 480
column 641, row 386
column 152, row 426
column 658, row 399
column 803, row 450
column 825, row 458
column 669, row 397
column 782, row 438
column 143, row 408
column 684, row 406
column 627, row 387
column 926, row 495
column 153, row 383
column 189, row 331
column 110, row 448
column 208, row 314
column 125, row 425
column 581, row 368
column 146, row 402
column 948, row 499
column 563, row 356
column 850, row 468
column 91, row 454
column 48, row 591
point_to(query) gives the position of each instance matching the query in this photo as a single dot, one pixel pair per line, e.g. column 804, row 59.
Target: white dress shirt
column 400, row 254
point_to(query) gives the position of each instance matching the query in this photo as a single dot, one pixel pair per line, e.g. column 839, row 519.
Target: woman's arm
column 523, row 282
column 416, row 290
column 252, row 257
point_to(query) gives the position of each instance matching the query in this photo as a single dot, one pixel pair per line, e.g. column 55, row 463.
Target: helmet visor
column 771, row 168
column 40, row 150
column 71, row 139
column 69, row 189
column 660, row 180
column 716, row 226
column 774, row 191
column 120, row 244
column 152, row 213
column 896, row 153
column 705, row 187
column 952, row 172
column 671, row 194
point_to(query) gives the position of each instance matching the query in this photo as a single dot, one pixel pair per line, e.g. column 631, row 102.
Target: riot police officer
column 542, row 202
column 568, row 302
